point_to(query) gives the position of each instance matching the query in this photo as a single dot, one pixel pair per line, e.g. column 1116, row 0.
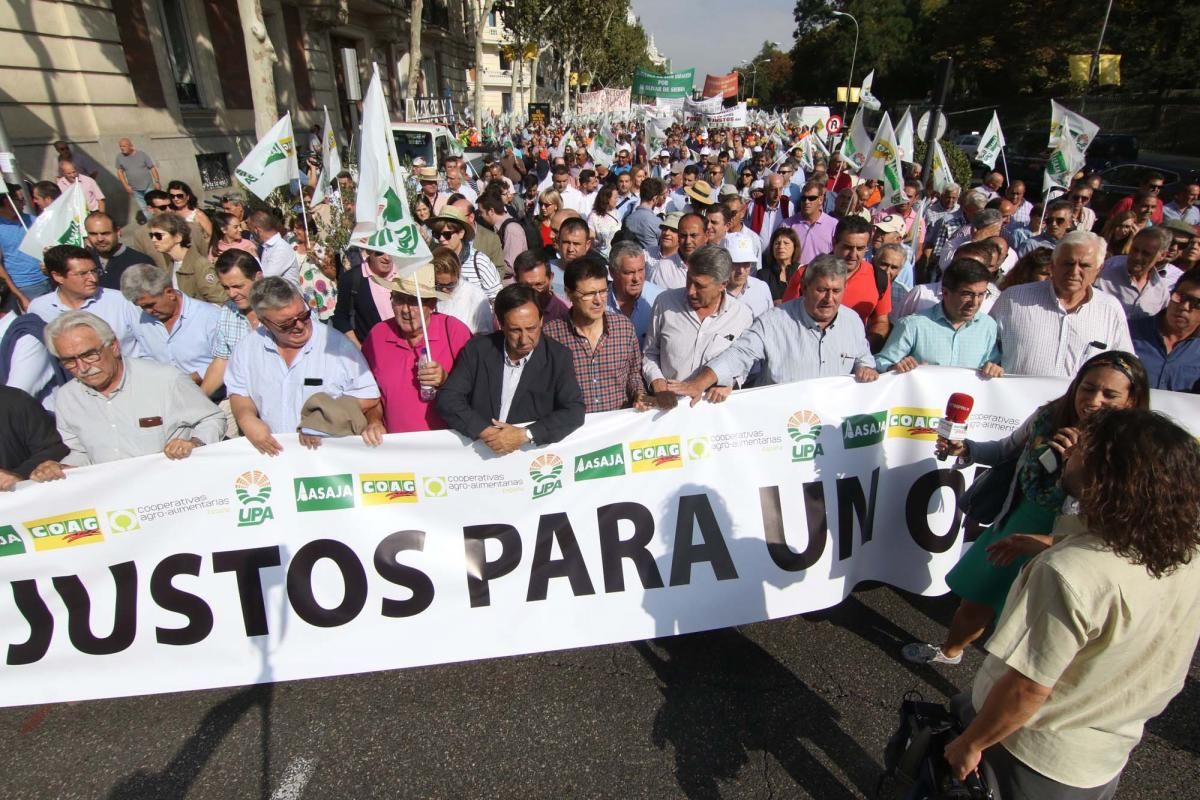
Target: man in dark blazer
column 27, row 437
column 512, row 377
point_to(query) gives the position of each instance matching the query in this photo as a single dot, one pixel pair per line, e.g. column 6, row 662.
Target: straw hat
column 421, row 280
column 451, row 214
column 701, row 192
column 427, row 175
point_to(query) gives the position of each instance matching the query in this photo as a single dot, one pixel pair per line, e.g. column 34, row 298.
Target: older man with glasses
column 119, row 407
column 275, row 370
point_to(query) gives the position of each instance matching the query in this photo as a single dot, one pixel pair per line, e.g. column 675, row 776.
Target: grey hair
column 826, row 266
column 952, row 187
column 899, row 248
column 77, row 319
column 975, row 199
column 1163, row 235
column 622, row 250
column 144, row 279
column 1083, row 239
column 268, row 294
column 986, row 217
column 712, row 261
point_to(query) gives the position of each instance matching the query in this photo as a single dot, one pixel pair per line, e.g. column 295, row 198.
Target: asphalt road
column 795, row 708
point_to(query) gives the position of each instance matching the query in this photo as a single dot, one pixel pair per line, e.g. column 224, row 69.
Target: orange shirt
column 861, row 295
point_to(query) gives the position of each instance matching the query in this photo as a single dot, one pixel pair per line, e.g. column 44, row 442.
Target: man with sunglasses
column 1168, row 343
column 812, row 225
column 290, row 357
column 1059, row 220
column 1152, row 184
column 1079, row 198
column 120, row 407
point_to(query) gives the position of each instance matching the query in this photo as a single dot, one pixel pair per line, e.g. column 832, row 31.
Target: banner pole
column 1004, row 161
column 17, row 211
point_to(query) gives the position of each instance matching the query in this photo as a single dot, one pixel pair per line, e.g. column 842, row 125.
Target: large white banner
column 604, row 101
column 231, row 568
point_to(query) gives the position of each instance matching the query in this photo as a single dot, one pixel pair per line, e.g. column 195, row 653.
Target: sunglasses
column 301, row 319
column 157, row 236
column 445, row 234
column 177, row 196
column 1190, row 302
column 157, row 207
column 810, row 198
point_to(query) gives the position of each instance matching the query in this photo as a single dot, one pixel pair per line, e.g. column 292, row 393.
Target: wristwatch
column 529, row 435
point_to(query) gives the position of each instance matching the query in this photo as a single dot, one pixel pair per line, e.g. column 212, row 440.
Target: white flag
column 865, row 98
column 1063, row 121
column 272, row 162
column 331, row 160
column 383, row 221
column 904, row 136
column 942, row 176
column 883, row 164
column 991, row 143
column 1064, row 162
column 857, row 146
column 60, row 223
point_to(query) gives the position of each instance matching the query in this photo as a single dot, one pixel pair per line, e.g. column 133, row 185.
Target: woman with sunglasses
column 452, row 229
column 744, row 179
column 183, row 203
column 549, row 203
column 1041, row 445
column 192, row 273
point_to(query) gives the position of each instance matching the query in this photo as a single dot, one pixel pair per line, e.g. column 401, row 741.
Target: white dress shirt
column 756, row 296
column 678, row 342
column 469, row 305
column 278, row 258
column 509, row 381
column 31, row 367
column 666, row 272
column 188, row 346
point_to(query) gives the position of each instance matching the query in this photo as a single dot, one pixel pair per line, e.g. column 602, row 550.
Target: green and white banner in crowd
column 673, row 84
column 231, row 568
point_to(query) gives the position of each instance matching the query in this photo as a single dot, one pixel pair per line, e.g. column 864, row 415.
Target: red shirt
column 1126, row 204
column 861, row 295
column 394, row 363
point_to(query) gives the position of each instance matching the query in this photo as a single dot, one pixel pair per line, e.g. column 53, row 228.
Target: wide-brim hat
column 451, row 214
column 427, row 175
column 1179, row 226
column 422, row 280
column 701, row 192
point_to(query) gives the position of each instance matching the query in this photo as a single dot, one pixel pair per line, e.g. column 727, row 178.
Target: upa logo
column 253, row 491
column 546, row 471
column 324, row 492
column 804, row 429
column 913, row 423
column 385, row 488
column 65, row 530
column 864, row 430
column 608, row 462
column 648, row 455
column 11, row 543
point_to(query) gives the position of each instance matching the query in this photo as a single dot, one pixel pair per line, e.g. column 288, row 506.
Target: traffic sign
column 833, row 124
column 939, row 127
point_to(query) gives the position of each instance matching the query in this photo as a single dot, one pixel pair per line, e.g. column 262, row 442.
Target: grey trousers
column 1016, row 781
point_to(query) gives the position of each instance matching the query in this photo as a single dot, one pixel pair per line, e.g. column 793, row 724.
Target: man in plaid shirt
column 603, row 344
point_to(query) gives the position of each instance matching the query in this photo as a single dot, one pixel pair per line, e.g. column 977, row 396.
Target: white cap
column 757, row 184
column 740, row 250
column 664, row 154
column 705, row 151
column 623, row 149
column 757, row 149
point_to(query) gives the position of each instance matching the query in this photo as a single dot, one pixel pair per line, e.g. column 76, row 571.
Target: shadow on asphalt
column 1179, row 724
column 725, row 698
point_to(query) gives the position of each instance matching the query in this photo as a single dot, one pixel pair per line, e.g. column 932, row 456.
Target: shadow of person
column 1179, row 724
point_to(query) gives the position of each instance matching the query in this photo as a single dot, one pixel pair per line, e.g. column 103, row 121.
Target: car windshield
column 413, row 144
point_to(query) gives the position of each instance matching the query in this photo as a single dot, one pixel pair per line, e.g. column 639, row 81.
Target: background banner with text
column 674, row 84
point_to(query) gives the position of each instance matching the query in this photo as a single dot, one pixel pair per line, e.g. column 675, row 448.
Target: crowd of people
column 564, row 283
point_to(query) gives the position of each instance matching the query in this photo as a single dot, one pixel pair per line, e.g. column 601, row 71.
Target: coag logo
column 253, row 491
column 124, row 520
column 11, row 543
column 608, row 462
column 698, row 447
column 383, row 488
column 546, row 471
column 435, row 486
column 913, row 423
column 324, row 492
column 804, row 429
column 65, row 530
column 864, row 430
column 651, row 454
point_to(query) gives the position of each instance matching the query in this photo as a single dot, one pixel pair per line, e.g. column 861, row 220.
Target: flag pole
column 1004, row 161
column 17, row 211
column 421, row 311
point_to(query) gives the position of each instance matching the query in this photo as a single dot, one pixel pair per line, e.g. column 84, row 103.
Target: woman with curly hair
column 1114, row 379
column 1099, row 632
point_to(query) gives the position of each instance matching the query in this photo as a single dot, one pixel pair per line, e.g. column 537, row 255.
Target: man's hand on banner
column 864, row 374
column 48, row 471
column 259, row 435
column 503, row 438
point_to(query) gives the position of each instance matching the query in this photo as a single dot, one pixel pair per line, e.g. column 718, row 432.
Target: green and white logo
column 608, row 462
column 124, row 520
column 324, row 492
column 864, row 430
column 11, row 543
column 434, row 486
column 698, row 447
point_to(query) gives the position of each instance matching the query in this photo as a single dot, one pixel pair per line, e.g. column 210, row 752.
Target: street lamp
column 853, row 55
column 754, row 72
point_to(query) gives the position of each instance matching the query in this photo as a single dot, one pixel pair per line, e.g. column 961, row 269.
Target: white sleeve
column 30, row 367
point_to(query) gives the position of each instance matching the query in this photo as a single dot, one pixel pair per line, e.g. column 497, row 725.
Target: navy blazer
column 548, row 394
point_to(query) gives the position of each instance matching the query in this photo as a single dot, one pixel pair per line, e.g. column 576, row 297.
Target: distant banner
column 604, row 101
column 675, row 84
column 1108, row 70
column 230, row 568
column 811, row 118
column 735, row 117
column 709, row 105
column 721, row 85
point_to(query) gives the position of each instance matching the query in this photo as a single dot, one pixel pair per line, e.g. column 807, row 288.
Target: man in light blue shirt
column 77, row 288
column 813, row 336
column 173, row 328
column 290, row 357
column 952, row 333
column 629, row 292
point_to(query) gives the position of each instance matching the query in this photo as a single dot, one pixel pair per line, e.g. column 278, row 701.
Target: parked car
column 1108, row 149
column 968, row 143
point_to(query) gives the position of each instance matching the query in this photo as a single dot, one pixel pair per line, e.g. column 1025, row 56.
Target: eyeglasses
column 1190, row 302
column 445, row 234
column 86, row 357
column 968, row 296
column 301, row 319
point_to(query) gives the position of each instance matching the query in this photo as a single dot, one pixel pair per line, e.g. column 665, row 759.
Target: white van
column 426, row 140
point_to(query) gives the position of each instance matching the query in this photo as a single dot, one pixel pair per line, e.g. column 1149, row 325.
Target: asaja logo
column 324, row 492
column 698, row 447
column 651, row 454
column 608, row 462
column 65, row 530
column 435, row 486
column 11, row 543
column 913, row 423
column 124, row 520
column 864, row 430
column 253, row 491
column 804, row 428
column 546, row 471
column 384, row 488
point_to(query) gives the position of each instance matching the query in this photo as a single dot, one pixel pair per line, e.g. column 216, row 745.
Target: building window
column 214, row 170
column 179, row 52
column 505, row 59
column 506, row 102
column 492, row 19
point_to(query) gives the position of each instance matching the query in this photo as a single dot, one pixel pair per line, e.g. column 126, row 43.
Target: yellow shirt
column 1114, row 643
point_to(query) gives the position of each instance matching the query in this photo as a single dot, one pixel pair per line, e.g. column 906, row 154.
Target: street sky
column 714, row 36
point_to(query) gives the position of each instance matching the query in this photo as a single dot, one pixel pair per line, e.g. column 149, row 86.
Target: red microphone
column 953, row 425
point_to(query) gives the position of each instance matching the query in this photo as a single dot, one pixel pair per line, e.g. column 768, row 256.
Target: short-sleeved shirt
column 929, row 338
column 91, row 190
column 188, row 345
column 328, row 362
column 862, row 292
column 137, row 166
column 1114, row 643
column 1145, row 302
column 232, row 327
column 394, row 363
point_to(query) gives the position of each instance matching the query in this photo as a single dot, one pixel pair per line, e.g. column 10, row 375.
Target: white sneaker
column 922, row 653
